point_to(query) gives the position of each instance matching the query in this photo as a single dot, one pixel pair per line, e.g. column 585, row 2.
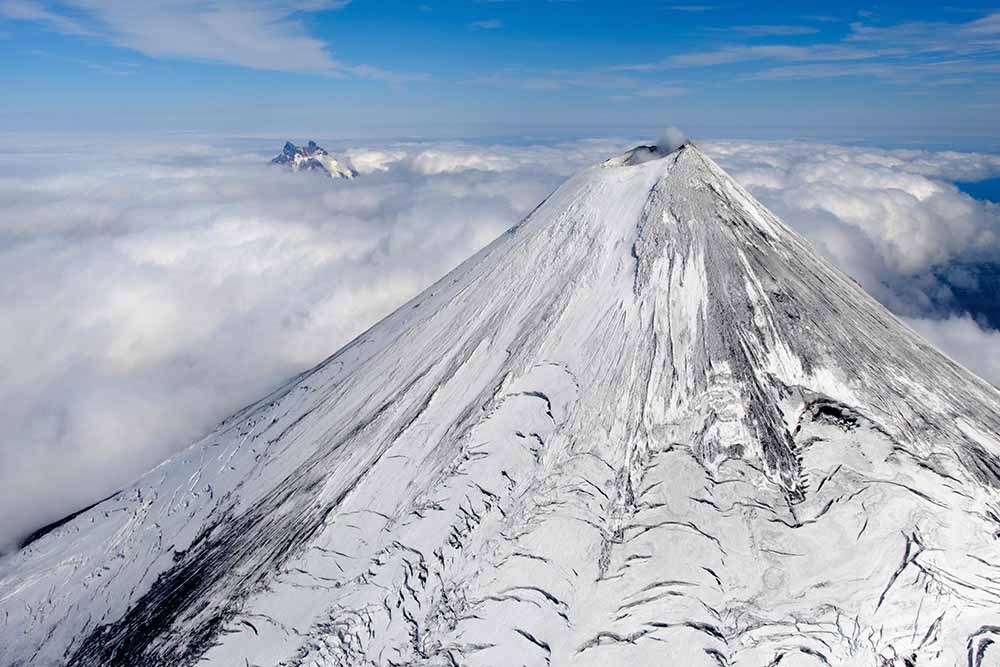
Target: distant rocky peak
column 313, row 157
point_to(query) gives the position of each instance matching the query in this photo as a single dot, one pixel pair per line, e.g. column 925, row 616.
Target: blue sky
column 886, row 73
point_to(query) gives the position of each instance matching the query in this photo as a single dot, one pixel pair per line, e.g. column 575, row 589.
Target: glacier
column 647, row 425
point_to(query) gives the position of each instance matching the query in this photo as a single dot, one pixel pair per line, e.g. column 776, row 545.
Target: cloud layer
column 151, row 290
column 890, row 218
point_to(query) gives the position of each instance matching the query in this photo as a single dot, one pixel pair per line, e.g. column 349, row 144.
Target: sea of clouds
column 150, row 289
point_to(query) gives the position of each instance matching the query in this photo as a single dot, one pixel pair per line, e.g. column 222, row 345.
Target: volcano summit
column 648, row 425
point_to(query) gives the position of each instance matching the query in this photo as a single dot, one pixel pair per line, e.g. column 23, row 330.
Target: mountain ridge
column 313, row 157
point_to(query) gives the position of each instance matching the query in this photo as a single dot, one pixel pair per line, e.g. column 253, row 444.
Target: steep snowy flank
column 646, row 426
column 313, row 158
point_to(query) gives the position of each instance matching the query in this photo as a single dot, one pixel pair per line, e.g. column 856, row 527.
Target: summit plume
column 647, row 425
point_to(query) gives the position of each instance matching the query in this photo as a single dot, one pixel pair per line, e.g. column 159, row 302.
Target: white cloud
column 552, row 80
column 925, row 52
column 445, row 162
column 263, row 35
column 367, row 161
column 488, row 24
column 965, row 341
column 152, row 289
column 883, row 214
column 32, row 10
column 772, row 30
column 661, row 91
column 743, row 53
column 260, row 34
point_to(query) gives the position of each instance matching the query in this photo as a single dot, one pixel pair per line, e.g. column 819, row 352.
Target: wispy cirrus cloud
column 773, row 30
column 661, row 91
column 549, row 80
column 487, row 24
column 621, row 87
column 942, row 73
column 988, row 25
column 931, row 52
column 259, row 34
column 32, row 10
column 112, row 68
column 740, row 53
column 981, row 34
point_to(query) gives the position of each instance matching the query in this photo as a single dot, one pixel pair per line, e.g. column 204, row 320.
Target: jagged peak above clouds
column 313, row 157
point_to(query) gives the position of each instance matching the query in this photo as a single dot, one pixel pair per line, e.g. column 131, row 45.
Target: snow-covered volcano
column 312, row 157
column 648, row 425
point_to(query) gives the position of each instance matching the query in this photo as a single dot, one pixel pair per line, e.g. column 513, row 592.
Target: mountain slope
column 646, row 424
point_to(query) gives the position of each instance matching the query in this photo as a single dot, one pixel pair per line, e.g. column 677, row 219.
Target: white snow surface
column 648, row 425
